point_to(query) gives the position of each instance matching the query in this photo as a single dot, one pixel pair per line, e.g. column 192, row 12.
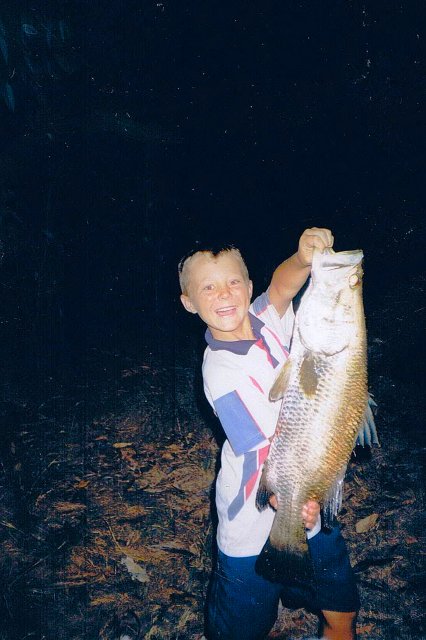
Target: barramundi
column 325, row 405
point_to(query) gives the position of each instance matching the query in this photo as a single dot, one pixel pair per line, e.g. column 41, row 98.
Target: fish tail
column 285, row 557
column 289, row 566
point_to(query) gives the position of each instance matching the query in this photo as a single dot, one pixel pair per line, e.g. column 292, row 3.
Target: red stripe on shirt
column 262, row 454
column 278, row 340
column 250, row 485
column 250, row 414
column 257, row 385
column 261, row 345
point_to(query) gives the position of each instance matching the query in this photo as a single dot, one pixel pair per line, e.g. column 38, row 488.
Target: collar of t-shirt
column 239, row 347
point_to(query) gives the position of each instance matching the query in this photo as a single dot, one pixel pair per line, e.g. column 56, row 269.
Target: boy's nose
column 224, row 292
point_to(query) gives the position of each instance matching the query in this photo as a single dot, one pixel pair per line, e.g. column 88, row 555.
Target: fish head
column 330, row 314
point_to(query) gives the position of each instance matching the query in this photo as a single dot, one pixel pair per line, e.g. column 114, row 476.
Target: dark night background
column 133, row 131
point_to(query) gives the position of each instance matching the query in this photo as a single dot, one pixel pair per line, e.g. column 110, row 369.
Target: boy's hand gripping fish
column 325, row 406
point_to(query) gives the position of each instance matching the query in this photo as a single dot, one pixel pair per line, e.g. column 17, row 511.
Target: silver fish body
column 324, row 393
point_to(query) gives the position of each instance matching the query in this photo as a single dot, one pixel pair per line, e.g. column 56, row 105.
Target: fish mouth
column 330, row 259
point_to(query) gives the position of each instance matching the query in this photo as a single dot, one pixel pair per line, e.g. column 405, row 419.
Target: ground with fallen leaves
column 106, row 515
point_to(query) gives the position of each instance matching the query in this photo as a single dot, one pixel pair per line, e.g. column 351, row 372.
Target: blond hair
column 185, row 263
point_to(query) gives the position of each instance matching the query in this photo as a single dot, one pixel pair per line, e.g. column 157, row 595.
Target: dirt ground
column 106, row 517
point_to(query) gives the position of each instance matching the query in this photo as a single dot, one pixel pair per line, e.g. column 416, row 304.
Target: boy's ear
column 187, row 303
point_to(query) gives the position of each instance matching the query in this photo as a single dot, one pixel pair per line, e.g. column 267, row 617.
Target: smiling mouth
column 225, row 311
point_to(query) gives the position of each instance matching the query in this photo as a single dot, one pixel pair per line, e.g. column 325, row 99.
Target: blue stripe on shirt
column 249, row 468
column 241, row 429
column 261, row 303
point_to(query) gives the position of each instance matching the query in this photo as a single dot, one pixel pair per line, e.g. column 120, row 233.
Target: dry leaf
column 134, row 371
column 128, row 455
column 122, row 445
column 167, row 456
column 136, row 571
column 174, row 448
column 109, row 599
column 148, row 554
column 82, row 484
column 168, row 592
column 178, row 545
column 366, row 523
column 366, row 628
column 67, row 507
column 133, row 511
column 187, row 617
column 7, row 524
column 191, row 479
column 152, row 479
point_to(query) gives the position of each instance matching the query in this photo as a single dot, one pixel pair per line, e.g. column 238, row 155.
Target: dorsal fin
column 281, row 383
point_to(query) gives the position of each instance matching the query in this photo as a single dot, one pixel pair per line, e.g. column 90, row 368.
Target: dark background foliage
column 132, row 132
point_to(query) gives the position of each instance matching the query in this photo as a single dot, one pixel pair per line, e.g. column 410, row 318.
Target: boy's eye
column 236, row 281
column 208, row 287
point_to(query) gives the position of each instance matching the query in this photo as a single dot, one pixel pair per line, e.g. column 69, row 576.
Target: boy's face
column 220, row 294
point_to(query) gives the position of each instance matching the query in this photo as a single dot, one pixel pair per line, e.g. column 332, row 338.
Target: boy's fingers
column 311, row 506
column 320, row 238
column 273, row 502
column 311, row 510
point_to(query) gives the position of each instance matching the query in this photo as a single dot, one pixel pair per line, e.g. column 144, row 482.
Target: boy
column 247, row 345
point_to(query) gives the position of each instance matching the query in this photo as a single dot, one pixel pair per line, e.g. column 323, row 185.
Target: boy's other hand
column 273, row 502
column 310, row 511
column 310, row 238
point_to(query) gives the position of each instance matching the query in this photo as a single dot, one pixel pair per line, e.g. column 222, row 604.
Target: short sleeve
column 263, row 308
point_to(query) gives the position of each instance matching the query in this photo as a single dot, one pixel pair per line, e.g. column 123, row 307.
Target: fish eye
column 354, row 281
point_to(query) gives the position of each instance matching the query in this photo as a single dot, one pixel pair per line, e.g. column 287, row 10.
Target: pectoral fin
column 308, row 375
column 281, row 383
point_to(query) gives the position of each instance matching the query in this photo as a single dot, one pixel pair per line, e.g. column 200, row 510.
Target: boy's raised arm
column 291, row 275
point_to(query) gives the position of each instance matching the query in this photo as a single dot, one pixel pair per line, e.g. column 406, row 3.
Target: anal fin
column 333, row 501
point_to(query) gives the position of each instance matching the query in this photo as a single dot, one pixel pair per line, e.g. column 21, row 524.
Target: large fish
column 325, row 405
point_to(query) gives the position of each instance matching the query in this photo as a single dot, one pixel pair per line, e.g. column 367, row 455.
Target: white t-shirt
column 237, row 378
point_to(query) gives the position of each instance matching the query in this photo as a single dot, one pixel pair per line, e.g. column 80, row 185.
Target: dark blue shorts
column 242, row 604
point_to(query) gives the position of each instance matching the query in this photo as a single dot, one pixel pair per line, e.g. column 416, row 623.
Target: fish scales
column 324, row 389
